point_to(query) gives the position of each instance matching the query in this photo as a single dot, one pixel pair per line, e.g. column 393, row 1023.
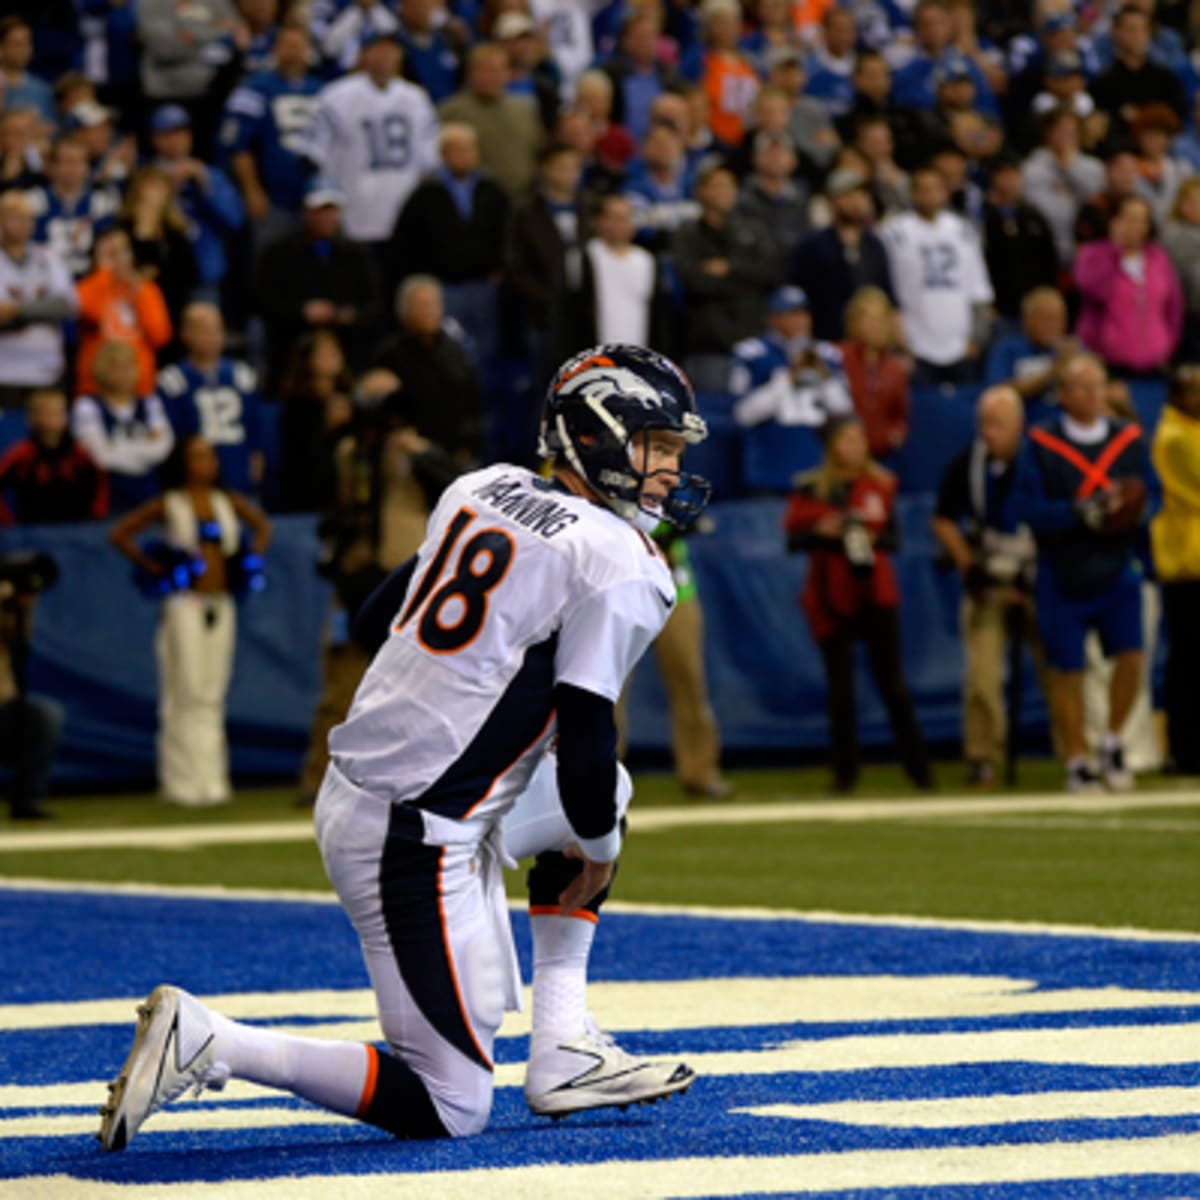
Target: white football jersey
column 938, row 272
column 375, row 144
column 519, row 586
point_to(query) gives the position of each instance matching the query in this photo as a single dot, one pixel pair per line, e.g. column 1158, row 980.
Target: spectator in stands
column 1181, row 241
column 118, row 303
column 205, row 195
column 638, row 74
column 785, row 376
column 266, row 122
column 123, row 429
column 887, row 182
column 808, row 119
column 343, row 35
column 36, row 297
column 1131, row 304
column 112, row 155
column 157, row 229
column 184, row 48
column 453, row 227
column 47, row 477
column 217, row 397
column 941, row 283
column 876, row 373
column 441, row 389
column 1081, row 487
column 771, row 197
column 542, row 262
column 1019, row 246
column 1160, row 174
column 1175, row 538
column 842, row 515
column 872, row 81
column 315, row 394
column 197, row 632
column 20, row 162
column 916, row 83
column 1134, row 79
column 1187, row 145
column 20, row 89
column 1064, row 85
column 659, row 186
column 314, row 278
column 773, row 30
column 1028, row 360
column 532, row 73
column 68, row 209
column 619, row 298
column 1121, row 179
column 833, row 264
column 831, row 65
column 975, row 524
column 1059, row 178
column 727, row 264
column 728, row 80
column 614, row 145
column 432, row 47
column 509, row 130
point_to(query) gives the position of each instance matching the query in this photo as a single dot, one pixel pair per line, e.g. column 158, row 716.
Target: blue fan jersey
column 70, row 229
column 221, row 406
column 268, row 117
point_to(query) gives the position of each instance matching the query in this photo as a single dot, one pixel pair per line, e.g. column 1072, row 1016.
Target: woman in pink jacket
column 1131, row 304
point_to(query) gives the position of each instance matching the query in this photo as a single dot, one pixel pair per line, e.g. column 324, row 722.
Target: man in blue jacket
column 1082, row 488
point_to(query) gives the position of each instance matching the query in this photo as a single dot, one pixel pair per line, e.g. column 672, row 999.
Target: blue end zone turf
column 1074, row 1064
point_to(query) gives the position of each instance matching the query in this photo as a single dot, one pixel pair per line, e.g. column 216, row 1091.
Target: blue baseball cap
column 168, row 117
column 787, row 299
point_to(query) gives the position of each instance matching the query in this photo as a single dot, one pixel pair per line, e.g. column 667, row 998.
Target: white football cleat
column 172, row 1053
column 592, row 1071
column 1117, row 777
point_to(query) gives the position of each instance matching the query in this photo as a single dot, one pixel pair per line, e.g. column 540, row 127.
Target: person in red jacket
column 841, row 514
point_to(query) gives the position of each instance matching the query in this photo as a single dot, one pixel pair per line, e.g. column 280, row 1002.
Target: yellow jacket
column 1175, row 532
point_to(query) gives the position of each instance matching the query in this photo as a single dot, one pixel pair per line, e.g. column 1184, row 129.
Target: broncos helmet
column 595, row 404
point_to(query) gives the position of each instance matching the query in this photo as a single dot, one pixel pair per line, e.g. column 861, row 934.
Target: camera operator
column 842, row 514
column 30, row 726
column 784, row 375
column 387, row 478
column 975, row 524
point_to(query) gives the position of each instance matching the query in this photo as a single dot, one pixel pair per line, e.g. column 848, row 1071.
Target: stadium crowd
column 346, row 242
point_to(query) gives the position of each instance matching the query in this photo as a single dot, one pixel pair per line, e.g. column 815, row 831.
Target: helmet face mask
column 596, row 405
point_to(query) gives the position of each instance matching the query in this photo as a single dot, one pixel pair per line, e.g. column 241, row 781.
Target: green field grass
column 1132, row 868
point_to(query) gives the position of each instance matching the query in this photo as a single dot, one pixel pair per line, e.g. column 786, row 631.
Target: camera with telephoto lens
column 856, row 542
column 26, row 573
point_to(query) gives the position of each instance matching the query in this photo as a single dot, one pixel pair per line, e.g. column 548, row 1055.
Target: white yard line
column 645, row 820
column 798, row 1174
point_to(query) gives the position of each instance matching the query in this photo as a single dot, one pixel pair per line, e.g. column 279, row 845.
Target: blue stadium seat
column 719, row 457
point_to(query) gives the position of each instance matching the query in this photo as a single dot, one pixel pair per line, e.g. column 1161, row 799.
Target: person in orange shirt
column 118, row 304
column 729, row 81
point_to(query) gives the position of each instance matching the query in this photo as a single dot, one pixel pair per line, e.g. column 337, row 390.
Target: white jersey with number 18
column 519, row 586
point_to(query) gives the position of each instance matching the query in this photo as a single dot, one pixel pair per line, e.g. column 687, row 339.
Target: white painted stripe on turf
column 644, row 820
column 800, row 1174
column 958, row 1112
column 1115, row 1046
column 700, row 911
column 737, row 1002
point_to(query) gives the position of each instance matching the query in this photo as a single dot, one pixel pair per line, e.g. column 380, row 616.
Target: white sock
column 1111, row 742
column 561, row 948
column 331, row 1074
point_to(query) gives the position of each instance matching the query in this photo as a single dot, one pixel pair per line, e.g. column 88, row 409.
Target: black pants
column 29, row 733
column 879, row 630
column 1181, row 603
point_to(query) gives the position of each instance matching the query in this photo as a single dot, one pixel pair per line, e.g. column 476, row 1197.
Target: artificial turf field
column 890, row 994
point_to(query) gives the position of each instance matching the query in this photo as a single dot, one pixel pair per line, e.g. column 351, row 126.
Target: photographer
column 841, row 514
column 784, row 375
column 975, row 525
column 387, row 478
column 30, row 726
